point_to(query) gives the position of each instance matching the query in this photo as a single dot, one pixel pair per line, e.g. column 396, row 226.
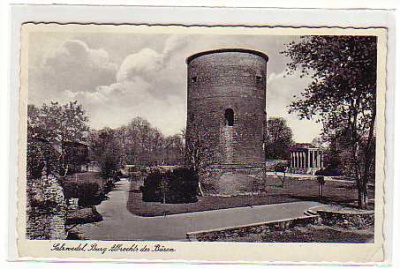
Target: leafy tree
column 48, row 127
column 197, row 149
column 141, row 143
column 174, row 149
column 106, row 151
column 279, row 139
column 58, row 123
column 342, row 95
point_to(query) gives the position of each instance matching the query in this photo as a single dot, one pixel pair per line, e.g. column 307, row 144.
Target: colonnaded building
column 306, row 159
column 226, row 118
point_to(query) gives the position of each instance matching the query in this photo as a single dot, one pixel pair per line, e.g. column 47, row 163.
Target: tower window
column 194, row 79
column 229, row 117
column 258, row 79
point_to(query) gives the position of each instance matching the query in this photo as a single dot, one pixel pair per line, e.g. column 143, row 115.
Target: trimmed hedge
column 180, row 186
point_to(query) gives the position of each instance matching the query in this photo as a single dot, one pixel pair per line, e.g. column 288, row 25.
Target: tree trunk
column 363, row 198
column 320, row 191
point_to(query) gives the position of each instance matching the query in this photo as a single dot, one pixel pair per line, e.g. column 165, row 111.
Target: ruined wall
column 46, row 209
column 218, row 81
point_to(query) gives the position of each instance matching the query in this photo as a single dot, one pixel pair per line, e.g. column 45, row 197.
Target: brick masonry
column 220, row 80
column 46, row 209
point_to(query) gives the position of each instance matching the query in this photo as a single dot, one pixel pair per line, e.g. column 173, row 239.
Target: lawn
column 150, row 209
column 338, row 192
column 292, row 190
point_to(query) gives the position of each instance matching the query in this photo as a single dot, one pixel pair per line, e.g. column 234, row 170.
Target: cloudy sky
column 119, row 76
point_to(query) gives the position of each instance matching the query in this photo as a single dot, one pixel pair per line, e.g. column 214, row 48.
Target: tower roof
column 249, row 51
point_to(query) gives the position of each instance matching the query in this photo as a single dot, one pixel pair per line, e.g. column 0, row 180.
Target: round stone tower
column 226, row 119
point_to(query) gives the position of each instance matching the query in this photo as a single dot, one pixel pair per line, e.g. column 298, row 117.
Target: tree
column 197, row 149
column 58, row 123
column 174, row 149
column 49, row 126
column 279, row 139
column 342, row 95
column 106, row 151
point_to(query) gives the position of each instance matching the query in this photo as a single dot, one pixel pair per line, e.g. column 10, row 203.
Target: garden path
column 119, row 224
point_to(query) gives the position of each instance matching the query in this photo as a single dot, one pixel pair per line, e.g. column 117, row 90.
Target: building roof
column 240, row 50
column 302, row 146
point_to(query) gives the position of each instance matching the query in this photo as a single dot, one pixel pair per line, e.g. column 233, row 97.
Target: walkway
column 119, row 224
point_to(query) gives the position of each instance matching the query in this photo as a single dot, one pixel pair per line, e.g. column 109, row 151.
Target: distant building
column 304, row 158
column 76, row 155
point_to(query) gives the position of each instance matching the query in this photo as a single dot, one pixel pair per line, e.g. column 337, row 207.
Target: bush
column 329, row 171
column 151, row 188
column 180, row 186
column 88, row 192
column 280, row 167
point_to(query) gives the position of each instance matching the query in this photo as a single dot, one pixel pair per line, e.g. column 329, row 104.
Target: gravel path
column 119, row 224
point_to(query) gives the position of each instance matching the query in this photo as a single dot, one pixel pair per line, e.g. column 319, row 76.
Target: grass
column 338, row 192
column 150, row 209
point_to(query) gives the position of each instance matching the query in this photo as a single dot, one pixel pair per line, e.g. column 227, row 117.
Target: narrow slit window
column 229, row 117
column 194, row 79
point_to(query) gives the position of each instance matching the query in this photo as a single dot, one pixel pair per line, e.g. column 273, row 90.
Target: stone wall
column 256, row 228
column 233, row 179
column 46, row 209
column 362, row 220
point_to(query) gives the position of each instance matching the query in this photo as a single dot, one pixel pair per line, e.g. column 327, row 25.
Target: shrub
column 329, row 171
column 151, row 188
column 280, row 167
column 182, row 183
column 88, row 192
column 180, row 186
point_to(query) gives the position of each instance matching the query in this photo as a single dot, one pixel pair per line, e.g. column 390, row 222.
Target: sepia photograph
column 200, row 135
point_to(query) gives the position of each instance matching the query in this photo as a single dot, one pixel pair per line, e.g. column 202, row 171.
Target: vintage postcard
column 191, row 143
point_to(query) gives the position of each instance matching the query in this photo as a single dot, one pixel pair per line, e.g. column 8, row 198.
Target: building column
column 312, row 158
column 301, row 159
column 298, row 160
column 292, row 159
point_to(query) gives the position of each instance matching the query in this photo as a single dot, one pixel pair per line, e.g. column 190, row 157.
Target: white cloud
column 281, row 89
column 146, row 63
column 151, row 80
column 72, row 67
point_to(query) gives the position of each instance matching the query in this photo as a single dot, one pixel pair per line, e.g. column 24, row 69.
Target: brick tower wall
column 221, row 80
